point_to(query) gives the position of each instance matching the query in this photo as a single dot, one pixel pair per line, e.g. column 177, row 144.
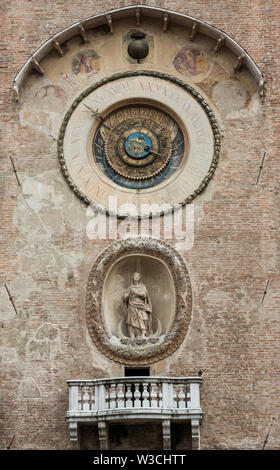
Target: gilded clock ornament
column 138, row 146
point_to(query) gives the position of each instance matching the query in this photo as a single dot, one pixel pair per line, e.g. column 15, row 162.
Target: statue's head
column 136, row 277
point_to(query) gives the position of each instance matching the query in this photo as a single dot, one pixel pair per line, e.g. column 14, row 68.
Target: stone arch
column 140, row 12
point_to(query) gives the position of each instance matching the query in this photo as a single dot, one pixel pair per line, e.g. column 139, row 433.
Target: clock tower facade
column 140, row 267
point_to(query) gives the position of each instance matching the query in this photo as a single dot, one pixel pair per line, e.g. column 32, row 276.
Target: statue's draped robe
column 139, row 309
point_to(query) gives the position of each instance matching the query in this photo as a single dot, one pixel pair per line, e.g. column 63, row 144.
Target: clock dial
column 140, row 140
column 138, row 146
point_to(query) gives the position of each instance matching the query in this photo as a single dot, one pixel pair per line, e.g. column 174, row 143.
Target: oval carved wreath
column 139, row 351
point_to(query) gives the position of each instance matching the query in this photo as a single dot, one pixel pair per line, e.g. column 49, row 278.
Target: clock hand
column 96, row 113
column 153, row 151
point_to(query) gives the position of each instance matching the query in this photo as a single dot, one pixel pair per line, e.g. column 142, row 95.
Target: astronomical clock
column 143, row 137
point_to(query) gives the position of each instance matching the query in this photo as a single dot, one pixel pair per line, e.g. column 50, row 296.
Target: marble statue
column 138, row 308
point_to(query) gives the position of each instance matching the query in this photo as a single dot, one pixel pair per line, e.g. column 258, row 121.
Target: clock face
column 138, row 146
column 142, row 139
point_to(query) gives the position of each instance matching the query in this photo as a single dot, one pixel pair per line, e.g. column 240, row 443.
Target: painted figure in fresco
column 52, row 91
column 138, row 308
column 86, row 62
column 190, row 61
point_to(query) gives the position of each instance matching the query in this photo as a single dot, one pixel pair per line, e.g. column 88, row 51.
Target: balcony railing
column 126, row 398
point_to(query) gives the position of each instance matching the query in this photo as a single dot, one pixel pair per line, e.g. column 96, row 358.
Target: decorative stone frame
column 138, row 352
column 203, row 104
column 131, row 11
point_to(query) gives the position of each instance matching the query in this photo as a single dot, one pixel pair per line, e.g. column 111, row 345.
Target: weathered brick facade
column 46, row 254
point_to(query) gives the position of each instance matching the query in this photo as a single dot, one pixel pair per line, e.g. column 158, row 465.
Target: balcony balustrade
column 135, row 398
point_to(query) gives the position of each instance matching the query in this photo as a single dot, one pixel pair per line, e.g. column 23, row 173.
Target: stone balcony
column 135, row 399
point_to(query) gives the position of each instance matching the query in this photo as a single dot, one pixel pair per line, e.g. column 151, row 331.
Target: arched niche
column 166, row 277
column 157, row 278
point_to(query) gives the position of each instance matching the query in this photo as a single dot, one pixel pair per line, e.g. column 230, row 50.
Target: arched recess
column 140, row 13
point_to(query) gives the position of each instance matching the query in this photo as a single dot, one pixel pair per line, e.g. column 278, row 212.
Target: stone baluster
column 85, row 399
column 96, row 397
column 92, row 397
column 145, row 395
column 173, row 396
column 107, row 396
column 128, row 396
column 174, row 399
column 181, row 397
column 188, row 394
column 137, row 396
column 154, row 395
column 160, row 395
column 120, row 402
column 113, row 396
column 81, row 398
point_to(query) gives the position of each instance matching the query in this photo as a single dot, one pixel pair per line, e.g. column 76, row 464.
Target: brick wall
column 233, row 336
